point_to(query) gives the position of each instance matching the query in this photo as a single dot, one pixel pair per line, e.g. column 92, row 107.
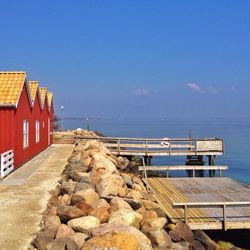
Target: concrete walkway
column 24, row 196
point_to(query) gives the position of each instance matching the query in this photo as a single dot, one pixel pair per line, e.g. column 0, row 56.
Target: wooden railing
column 6, row 163
column 63, row 139
column 187, row 168
column 222, row 205
column 161, row 146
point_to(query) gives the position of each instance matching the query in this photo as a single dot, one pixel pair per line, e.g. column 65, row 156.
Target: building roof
column 33, row 89
column 43, row 93
column 11, row 85
column 50, row 98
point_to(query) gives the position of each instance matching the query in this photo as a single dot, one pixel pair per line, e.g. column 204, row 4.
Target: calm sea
column 235, row 132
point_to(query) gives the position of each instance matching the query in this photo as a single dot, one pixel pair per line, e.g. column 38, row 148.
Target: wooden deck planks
column 180, row 190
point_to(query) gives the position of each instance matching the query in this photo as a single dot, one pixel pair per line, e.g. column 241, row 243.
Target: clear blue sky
column 122, row 58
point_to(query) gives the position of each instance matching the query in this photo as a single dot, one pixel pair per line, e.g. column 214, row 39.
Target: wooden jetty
column 203, row 203
column 162, row 146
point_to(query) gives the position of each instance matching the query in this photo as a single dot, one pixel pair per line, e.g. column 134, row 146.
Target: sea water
column 234, row 131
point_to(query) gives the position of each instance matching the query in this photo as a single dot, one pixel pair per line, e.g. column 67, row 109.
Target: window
column 37, row 131
column 25, row 133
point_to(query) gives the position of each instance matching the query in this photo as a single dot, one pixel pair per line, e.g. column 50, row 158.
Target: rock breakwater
column 101, row 203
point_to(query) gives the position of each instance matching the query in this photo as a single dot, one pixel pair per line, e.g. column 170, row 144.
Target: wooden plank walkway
column 161, row 146
column 205, row 199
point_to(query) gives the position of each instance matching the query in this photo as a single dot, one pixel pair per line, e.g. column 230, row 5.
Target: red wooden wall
column 6, row 129
column 11, row 128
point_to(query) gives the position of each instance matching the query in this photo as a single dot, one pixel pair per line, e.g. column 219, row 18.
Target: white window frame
column 37, row 131
column 25, row 133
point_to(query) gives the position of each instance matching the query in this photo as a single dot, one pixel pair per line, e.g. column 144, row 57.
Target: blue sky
column 110, row 58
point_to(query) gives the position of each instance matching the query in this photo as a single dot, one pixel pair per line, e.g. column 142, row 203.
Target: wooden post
column 119, row 143
column 145, row 173
column 149, row 160
column 224, row 217
column 211, row 162
column 185, row 213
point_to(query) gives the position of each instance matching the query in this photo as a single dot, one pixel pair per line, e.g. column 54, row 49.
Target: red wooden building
column 26, row 120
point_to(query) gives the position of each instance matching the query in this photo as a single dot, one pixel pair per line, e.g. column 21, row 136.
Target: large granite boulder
column 159, row 238
column 62, row 244
column 118, row 203
column 52, row 223
column 42, row 239
column 79, row 239
column 143, row 241
column 205, row 240
column 81, row 186
column 126, row 216
column 122, row 163
column 101, row 168
column 113, row 241
column 101, row 210
column 184, row 231
column 69, row 212
column 134, row 194
column 147, row 215
column 84, row 224
column 81, row 177
column 68, row 187
column 64, row 200
column 110, row 185
column 64, row 231
column 85, row 207
column 88, row 195
column 128, row 179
